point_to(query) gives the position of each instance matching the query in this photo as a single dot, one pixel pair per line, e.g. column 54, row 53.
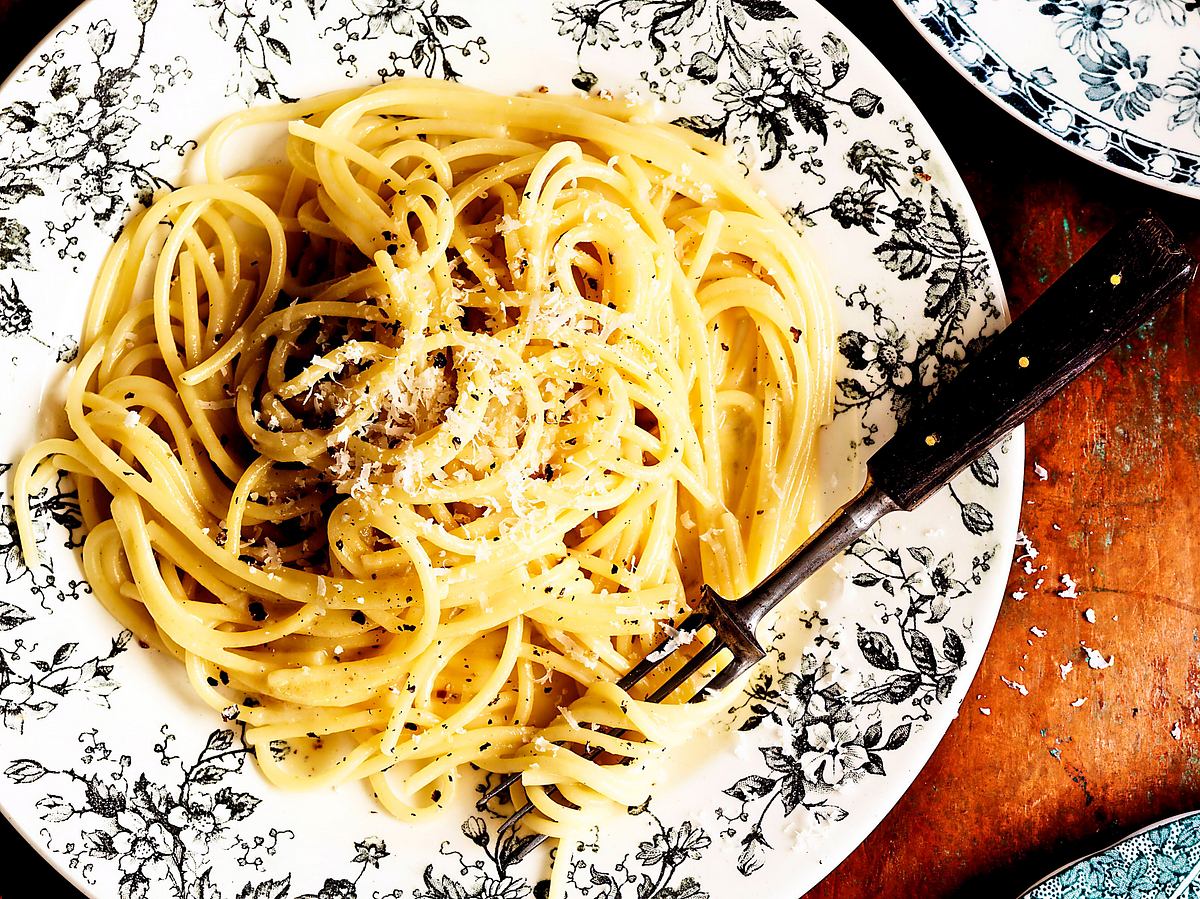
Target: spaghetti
column 410, row 445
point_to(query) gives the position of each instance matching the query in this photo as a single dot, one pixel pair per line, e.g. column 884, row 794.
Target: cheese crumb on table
column 1014, row 685
column 1095, row 658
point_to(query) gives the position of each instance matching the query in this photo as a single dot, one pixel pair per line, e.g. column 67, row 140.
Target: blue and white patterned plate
column 1116, row 81
column 1161, row 861
column 124, row 781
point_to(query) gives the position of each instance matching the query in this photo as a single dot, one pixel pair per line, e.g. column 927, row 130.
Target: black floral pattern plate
column 1116, row 81
column 132, row 789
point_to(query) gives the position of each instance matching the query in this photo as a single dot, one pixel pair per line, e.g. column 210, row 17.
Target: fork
column 1115, row 287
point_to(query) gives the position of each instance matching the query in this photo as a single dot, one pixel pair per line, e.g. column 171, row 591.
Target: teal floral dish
column 1160, row 862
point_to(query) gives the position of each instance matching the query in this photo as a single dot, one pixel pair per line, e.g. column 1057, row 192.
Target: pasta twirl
column 410, row 445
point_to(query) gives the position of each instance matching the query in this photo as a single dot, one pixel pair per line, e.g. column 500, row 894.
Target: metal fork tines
column 733, row 625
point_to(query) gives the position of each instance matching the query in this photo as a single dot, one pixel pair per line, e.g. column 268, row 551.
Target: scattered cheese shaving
column 1064, row 670
column 1013, row 685
column 1069, row 585
column 1095, row 658
column 1089, row 616
column 1079, row 702
column 1042, row 474
column 1030, row 551
column 984, row 711
column 1037, row 631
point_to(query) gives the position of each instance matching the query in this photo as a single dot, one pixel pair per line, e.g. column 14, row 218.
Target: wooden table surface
column 1010, row 796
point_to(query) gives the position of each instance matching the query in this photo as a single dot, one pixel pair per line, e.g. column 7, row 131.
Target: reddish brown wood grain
column 1010, row 796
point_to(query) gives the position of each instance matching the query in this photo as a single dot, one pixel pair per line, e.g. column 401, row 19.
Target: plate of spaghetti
column 387, row 379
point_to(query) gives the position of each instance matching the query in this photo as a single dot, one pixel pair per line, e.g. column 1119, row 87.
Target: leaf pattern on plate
column 424, row 37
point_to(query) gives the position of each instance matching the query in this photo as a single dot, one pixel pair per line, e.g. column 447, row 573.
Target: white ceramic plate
column 131, row 788
column 1116, row 81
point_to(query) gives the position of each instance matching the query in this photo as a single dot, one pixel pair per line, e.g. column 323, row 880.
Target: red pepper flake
column 796, row 334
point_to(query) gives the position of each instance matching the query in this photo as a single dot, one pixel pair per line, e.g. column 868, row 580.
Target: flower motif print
column 792, row 62
column 1119, row 82
column 1109, row 78
column 1184, row 88
column 424, row 37
column 380, row 16
column 161, row 829
column 1160, row 862
column 10, row 544
column 674, row 846
column 1173, row 11
column 1086, row 26
column 583, row 24
column 508, row 888
column 201, row 820
column 334, row 888
column 1115, row 77
column 883, row 358
column 852, row 207
column 833, row 732
column 835, row 751
column 245, row 26
column 142, row 847
column 752, row 96
column 61, row 128
column 75, row 131
column 770, row 86
column 371, row 851
column 18, row 705
column 92, row 196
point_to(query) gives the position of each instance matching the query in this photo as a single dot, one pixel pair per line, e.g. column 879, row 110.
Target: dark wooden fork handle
column 1121, row 281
